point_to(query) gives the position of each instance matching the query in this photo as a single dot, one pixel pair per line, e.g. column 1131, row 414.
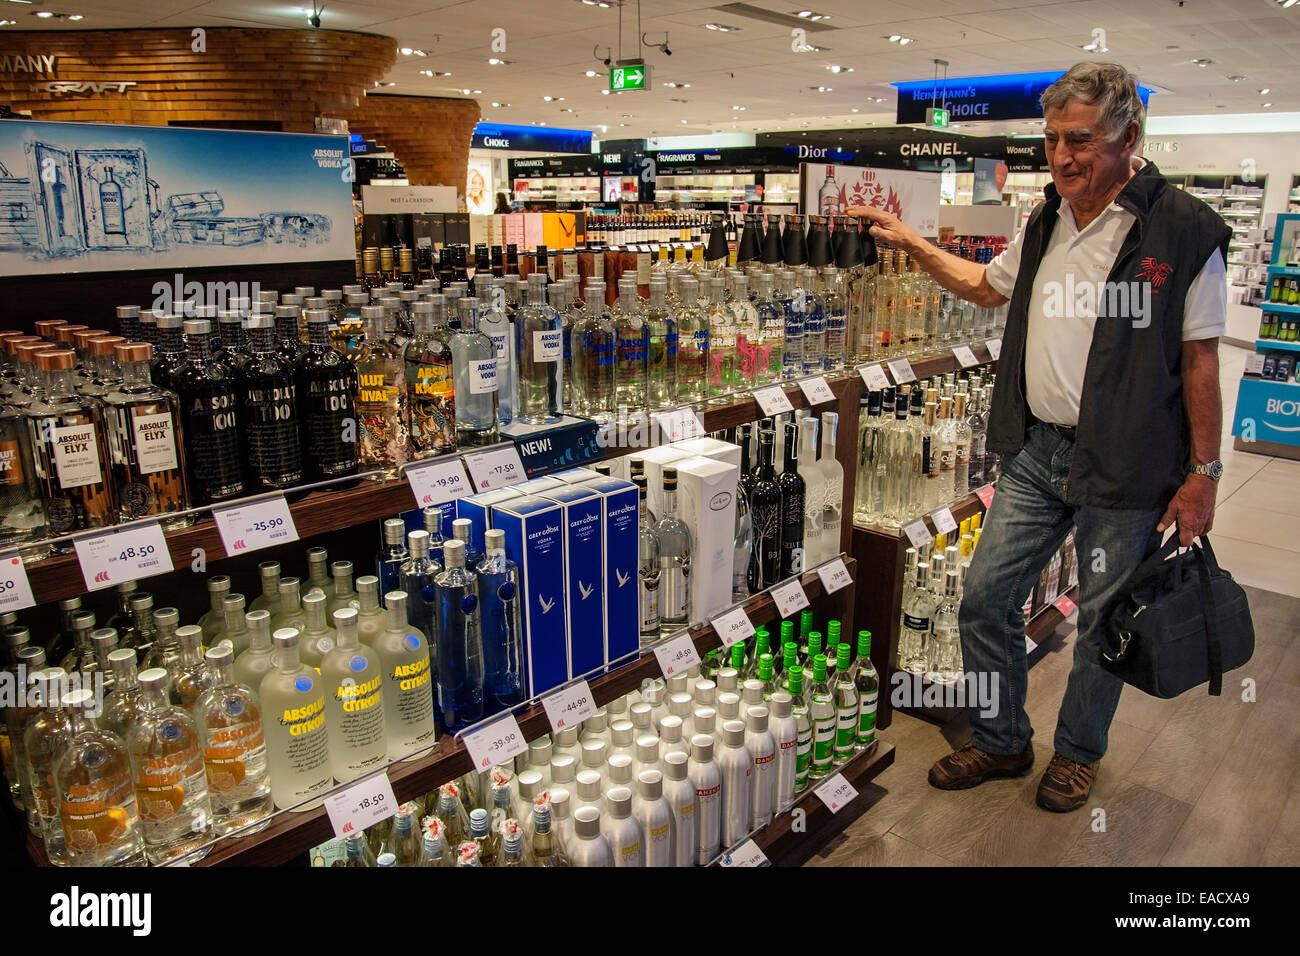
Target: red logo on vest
column 1155, row 272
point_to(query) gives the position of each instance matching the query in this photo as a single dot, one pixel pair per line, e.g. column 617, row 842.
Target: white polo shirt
column 1062, row 314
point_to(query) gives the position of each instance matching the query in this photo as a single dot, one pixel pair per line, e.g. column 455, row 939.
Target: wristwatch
column 1212, row 470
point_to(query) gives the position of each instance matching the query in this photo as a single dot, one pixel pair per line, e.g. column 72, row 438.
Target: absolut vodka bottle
column 474, row 360
column 234, row 749
column 408, row 682
column 209, row 402
column 631, row 353
column 269, row 399
column 593, row 358
column 297, row 738
column 540, row 347
column 354, row 705
column 495, row 324
column 326, row 383
column 417, row 579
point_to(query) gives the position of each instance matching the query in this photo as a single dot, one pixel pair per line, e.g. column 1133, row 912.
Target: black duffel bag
column 1182, row 621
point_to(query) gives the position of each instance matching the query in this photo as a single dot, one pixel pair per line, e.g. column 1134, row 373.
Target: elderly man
column 1107, row 410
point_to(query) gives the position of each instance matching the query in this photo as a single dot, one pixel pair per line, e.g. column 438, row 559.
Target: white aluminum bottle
column 704, row 721
column 620, row 774
column 595, row 753
column 671, row 739
column 752, row 693
column 566, row 744
column 728, row 709
column 589, row 847
column 762, row 749
column 589, row 792
column 737, row 769
column 655, row 816
column 705, row 693
column 626, row 841
column 707, row 780
column 622, row 737
column 647, row 754
column 562, row 818
column 785, row 731
column 680, row 794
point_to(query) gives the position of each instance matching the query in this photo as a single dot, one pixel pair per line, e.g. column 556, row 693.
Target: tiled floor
column 1200, row 780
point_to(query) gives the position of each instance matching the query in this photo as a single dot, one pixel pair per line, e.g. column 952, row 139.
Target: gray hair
column 1109, row 87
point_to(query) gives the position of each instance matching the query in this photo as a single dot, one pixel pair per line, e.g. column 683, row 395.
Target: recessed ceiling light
column 1265, row 91
column 722, row 27
column 1266, row 105
column 428, row 73
column 821, row 89
column 500, row 105
column 683, row 122
column 854, row 110
column 836, row 68
column 411, row 51
column 1202, row 61
column 604, row 92
column 603, row 4
column 43, row 14
column 739, row 109
column 1286, row 4
column 8, row 23
column 1236, row 77
column 899, row 39
column 591, row 73
column 497, row 61
column 812, row 15
column 1096, row 46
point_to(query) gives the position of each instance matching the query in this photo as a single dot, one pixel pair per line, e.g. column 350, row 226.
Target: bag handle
column 1214, row 649
column 1151, row 565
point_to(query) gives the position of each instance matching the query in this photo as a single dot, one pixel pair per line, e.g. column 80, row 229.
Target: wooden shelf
column 291, row 834
column 785, row 846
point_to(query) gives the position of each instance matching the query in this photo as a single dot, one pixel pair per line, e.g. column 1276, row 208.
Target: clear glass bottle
column 257, row 658
column 327, row 384
column 122, row 706
column 341, row 594
column 631, row 354
column 675, row 552
column 593, row 349
column 93, row 785
column 213, row 620
column 867, row 496
column 504, row 675
column 171, row 784
column 404, row 842
column 649, row 571
column 495, row 324
column 474, row 360
column 867, row 682
column 723, row 330
column 418, row 580
column 814, row 321
column 832, row 487
column 268, row 573
column 22, row 519
column 822, row 716
column 945, row 453
column 354, row 707
column 297, row 738
column 46, row 735
column 290, row 614
column 404, row 657
column 770, row 343
column 944, row 654
column 433, row 846
column 814, row 478
column 209, row 419
column 191, row 676
column 960, row 434
column 269, row 413
column 69, row 450
column 487, row 840
column 694, row 344
column 846, row 707
column 919, row 605
column 896, row 469
column 664, row 344
column 383, row 442
column 357, row 852
column 460, row 641
column 229, row 719
column 165, row 651
column 834, row 297
column 371, row 616
column 540, row 350
column 752, row 356
column 430, row 381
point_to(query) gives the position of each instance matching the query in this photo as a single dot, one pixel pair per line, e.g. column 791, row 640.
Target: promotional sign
column 990, row 177
column 913, row 197
column 480, row 193
column 1008, row 96
column 87, row 197
column 531, row 138
column 1267, row 411
column 384, row 200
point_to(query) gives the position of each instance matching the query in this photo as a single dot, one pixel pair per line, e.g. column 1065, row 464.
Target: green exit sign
column 936, row 117
column 624, row 78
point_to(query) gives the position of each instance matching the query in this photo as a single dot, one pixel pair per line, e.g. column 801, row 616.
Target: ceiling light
column 1266, row 105
column 428, row 73
column 497, row 61
column 1286, row 4
column 604, row 92
column 812, row 15
column 1202, row 61
column 899, row 39
column 821, row 89
column 739, row 109
column 1095, row 47
column 683, row 122
column 43, row 14
column 722, row 27
column 836, row 68
column 1264, row 92
column 591, row 73
column 1236, row 77
column 410, row 51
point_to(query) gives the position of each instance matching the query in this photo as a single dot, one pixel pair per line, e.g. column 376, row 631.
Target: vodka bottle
column 433, row 846
column 944, row 654
column 371, row 616
column 631, row 354
column 189, row 677
column 649, row 571
column 832, row 487
column 706, row 777
column 341, row 594
column 234, row 749
column 382, row 437
column 316, row 637
column 771, row 332
column 593, row 349
column 785, row 735
column 291, row 615
column 654, row 815
column 919, row 605
column 269, row 413
column 165, row 651
column 752, row 358
column 822, row 714
column 460, row 641
column 269, row 600
column 723, row 364
column 836, row 319
column 761, row 745
column 846, row 708
column 404, row 843
column 474, row 361
column 122, row 706
column 868, row 491
column 694, row 345
column 93, row 787
column 546, row 849
column 292, row 697
column 794, row 490
column 494, row 323
column 485, row 837
column 664, row 342
column 389, row 561
column 814, row 322
column 430, row 381
column 801, row 710
column 959, row 432
column 975, row 422
column 318, row 574
column 357, row 852
column 209, row 419
column 814, row 477
column 590, row 847
column 403, row 652
column 504, row 679
column 675, row 553
column 45, row 737
column 354, row 711
column 867, row 683
column 946, row 452
column 539, row 338
column 171, row 784
column 679, row 793
column 326, row 384
column 736, row 766
column 213, row 621
column 417, row 580
column 895, row 470
column 765, row 509
column 252, row 645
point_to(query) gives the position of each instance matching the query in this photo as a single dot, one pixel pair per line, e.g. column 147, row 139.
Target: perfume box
column 706, row 503
column 584, row 574
column 478, row 509
column 534, row 533
column 622, row 562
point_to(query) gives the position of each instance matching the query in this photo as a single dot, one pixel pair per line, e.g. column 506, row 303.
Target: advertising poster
column 913, row 197
column 82, row 197
column 990, row 177
column 480, row 193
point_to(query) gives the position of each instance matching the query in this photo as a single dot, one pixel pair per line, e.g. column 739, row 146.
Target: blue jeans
column 1024, row 527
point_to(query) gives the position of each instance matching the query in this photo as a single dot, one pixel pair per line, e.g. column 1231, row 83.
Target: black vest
column 1132, row 444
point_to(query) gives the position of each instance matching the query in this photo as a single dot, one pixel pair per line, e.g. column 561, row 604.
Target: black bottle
column 209, row 419
column 717, row 250
column 848, row 251
column 287, row 344
column 867, row 244
column 498, row 262
column 793, row 493
column 744, row 438
column 326, row 382
column 765, row 511
column 772, row 241
column 270, row 414
column 818, row 242
column 169, row 350
column 794, row 245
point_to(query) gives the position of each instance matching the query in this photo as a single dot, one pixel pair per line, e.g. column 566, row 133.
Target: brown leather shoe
column 970, row 766
column 1066, row 784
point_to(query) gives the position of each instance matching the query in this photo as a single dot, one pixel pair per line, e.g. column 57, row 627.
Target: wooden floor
column 1197, row 781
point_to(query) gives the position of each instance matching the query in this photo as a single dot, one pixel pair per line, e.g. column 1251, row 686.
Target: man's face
column 1085, row 163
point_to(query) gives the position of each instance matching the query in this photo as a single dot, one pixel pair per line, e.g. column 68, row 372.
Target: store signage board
column 569, row 706
column 943, row 520
column 15, row 589
column 168, row 199
column 1266, row 411
column 873, row 376
column 494, row 744
column 911, row 195
column 389, row 200
column 132, row 553
column 677, row 656
column 624, row 79
column 1008, row 96
column 437, row 481
column 790, row 597
column 531, row 138
column 733, row 626
column 251, row 527
column 361, row 805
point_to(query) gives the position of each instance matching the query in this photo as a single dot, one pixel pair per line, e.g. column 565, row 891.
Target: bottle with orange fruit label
column 234, row 749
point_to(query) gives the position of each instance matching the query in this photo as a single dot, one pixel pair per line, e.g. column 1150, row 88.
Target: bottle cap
column 706, row 718
column 670, row 729
column 756, row 719
column 285, row 637
column 530, row 785
column 453, row 553
column 104, row 640
column 622, row 733
column 78, row 700
column 539, row 752
column 620, row 769
column 705, row 692
column 564, row 769
column 597, row 721
column 559, row 799
column 593, row 754
column 642, row 716
column 728, row 706
column 478, row 821
column 190, row 636
column 219, row 655
column 680, row 705
column 733, row 733
column 618, row 802
column 394, row 531
column 588, row 785
column 819, row 668
column 586, row 822
column 650, row 784
column 753, row 692
column 782, row 705
column 702, row 748
column 568, row 737
column 155, row 678
column 647, row 747
column 616, row 708
column 864, row 643
column 395, row 600
column 494, row 539
column 119, row 657
column 674, row 764
column 728, row 681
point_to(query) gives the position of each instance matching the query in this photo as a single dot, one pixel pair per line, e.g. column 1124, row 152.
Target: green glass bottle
column 821, row 713
column 810, row 652
column 799, row 709
column 762, row 645
column 832, row 652
column 791, row 664
column 765, row 664
column 846, row 708
column 867, row 682
column 738, row 657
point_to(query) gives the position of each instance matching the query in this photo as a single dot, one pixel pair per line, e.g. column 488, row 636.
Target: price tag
column 918, row 533
column 1065, row 605
column 126, row 555
column 260, row 524
column 679, row 424
column 691, row 425
column 677, row 656
column 902, row 370
column 497, row 468
column 733, row 626
column 834, row 575
column 361, row 805
column 1254, row 364
column 995, row 348
column 747, row 854
column 15, row 589
column 772, row 400
column 789, row 597
column 985, row 496
column 874, row 376
column 817, row 390
column 438, row 481
column 569, row 706
column 943, row 520
column 496, row 743
column 837, row 793
column 965, row 356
